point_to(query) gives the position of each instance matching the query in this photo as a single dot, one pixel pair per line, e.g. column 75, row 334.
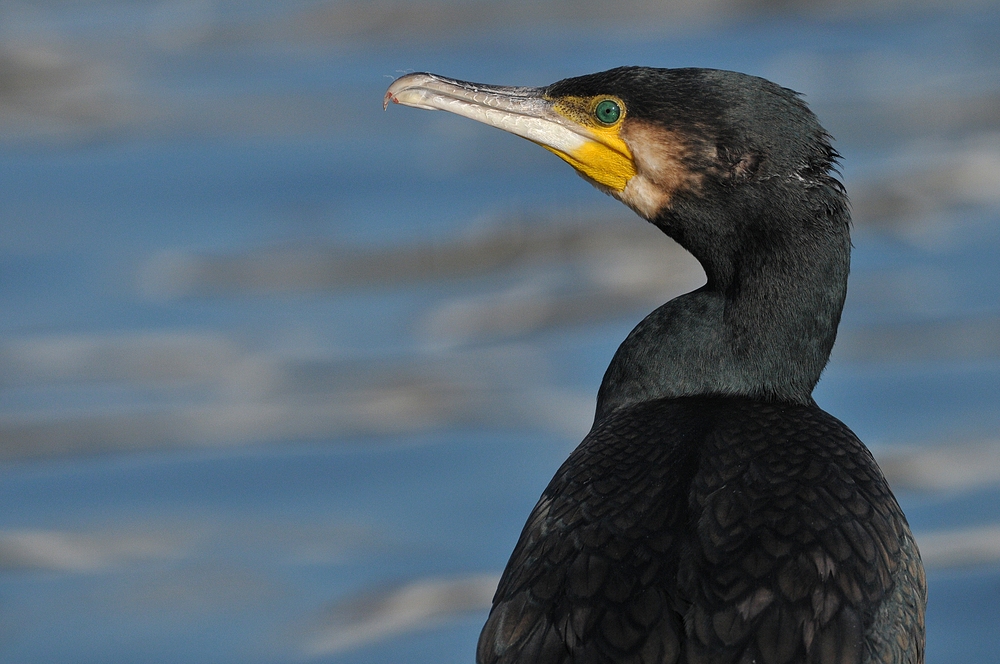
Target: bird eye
column 608, row 111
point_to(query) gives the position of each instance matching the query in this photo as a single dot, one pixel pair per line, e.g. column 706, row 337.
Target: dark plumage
column 714, row 513
column 712, row 529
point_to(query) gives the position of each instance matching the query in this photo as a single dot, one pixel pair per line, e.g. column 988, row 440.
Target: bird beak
column 526, row 112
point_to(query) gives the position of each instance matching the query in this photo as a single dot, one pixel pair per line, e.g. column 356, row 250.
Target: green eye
column 608, row 111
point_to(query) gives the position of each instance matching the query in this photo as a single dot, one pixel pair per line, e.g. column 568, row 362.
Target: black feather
column 715, row 513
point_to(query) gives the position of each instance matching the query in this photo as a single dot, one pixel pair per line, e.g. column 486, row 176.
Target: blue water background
column 140, row 135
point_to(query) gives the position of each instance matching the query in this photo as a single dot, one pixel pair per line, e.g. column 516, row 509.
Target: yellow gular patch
column 604, row 158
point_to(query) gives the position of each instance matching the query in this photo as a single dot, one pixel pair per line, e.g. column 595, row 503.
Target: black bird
column 714, row 513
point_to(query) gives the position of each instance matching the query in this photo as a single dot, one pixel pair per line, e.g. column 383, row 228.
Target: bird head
column 715, row 158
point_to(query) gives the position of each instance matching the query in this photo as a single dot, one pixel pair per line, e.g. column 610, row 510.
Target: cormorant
column 714, row 513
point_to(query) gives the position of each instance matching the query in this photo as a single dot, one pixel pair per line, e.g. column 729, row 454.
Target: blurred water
column 281, row 375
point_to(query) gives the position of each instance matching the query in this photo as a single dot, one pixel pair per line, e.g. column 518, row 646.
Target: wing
column 712, row 531
column 592, row 578
column 801, row 552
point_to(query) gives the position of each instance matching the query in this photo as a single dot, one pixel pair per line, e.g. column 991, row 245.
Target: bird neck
column 762, row 327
